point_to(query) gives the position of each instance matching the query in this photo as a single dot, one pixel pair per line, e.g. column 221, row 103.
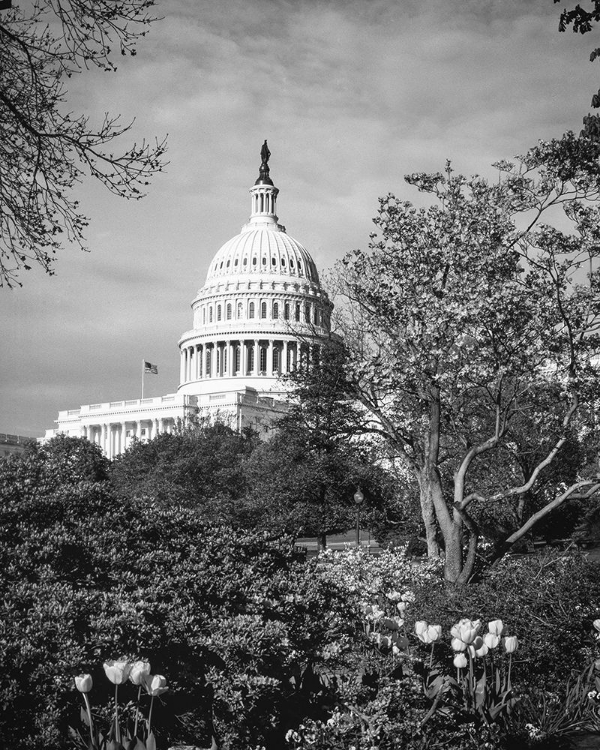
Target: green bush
column 232, row 622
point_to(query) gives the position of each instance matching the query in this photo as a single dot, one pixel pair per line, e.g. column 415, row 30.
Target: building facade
column 260, row 313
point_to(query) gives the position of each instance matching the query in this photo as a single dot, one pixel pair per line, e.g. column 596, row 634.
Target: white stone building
column 260, row 312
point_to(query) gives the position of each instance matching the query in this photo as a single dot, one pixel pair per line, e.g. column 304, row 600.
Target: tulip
column 138, row 670
column 420, row 626
column 491, row 640
column 510, row 644
column 83, row 683
column 496, row 627
column 435, row 632
column 596, row 624
column 401, row 607
column 117, row 671
column 466, row 630
column 478, row 647
column 458, row 645
column 424, row 636
column 460, row 661
column 400, row 641
column 155, row 684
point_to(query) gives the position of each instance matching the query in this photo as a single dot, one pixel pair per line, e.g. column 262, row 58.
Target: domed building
column 260, row 313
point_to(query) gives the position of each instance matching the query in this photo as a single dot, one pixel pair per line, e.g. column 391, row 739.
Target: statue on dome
column 265, row 154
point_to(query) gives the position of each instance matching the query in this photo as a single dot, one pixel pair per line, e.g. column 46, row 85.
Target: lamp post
column 358, row 499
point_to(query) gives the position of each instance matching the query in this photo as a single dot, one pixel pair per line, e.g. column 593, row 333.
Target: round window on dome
column 221, row 266
column 228, row 262
column 235, row 262
column 283, row 262
column 264, row 261
column 245, row 261
column 253, row 261
column 273, row 262
column 291, row 263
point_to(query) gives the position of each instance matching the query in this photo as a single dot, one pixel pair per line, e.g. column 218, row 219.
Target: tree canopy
column 45, row 148
column 460, row 313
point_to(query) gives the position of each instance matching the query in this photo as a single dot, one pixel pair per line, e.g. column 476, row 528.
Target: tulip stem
column 150, row 714
column 431, row 656
column 89, row 713
column 137, row 711
column 117, row 727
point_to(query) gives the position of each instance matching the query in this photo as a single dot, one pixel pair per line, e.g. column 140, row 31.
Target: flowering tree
column 44, row 148
column 461, row 313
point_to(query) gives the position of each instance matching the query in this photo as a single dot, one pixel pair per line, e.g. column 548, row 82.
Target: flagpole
column 143, row 372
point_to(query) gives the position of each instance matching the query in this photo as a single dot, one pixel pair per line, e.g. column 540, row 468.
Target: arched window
column 245, row 261
column 286, row 311
column 251, row 310
column 210, row 315
column 263, row 359
column 264, row 261
column 218, row 312
column 253, row 261
column 208, row 362
column 203, row 316
column 297, row 314
column 273, row 262
column 263, row 309
column 250, row 359
column 276, row 358
column 275, row 310
column 240, row 311
column 229, row 311
column 307, row 313
column 237, row 363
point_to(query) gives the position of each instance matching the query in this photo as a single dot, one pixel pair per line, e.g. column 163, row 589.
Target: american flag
column 148, row 367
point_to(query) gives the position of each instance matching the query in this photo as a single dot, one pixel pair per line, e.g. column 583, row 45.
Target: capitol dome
column 261, row 310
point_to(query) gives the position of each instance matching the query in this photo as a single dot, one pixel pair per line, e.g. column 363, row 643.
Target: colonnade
column 115, row 437
column 240, row 357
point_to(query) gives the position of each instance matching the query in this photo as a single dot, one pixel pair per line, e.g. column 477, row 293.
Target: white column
column 285, row 354
column 256, row 358
column 270, row 359
column 243, row 357
column 182, row 367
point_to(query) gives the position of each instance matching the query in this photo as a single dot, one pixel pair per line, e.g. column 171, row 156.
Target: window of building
column 263, row 309
column 210, row 315
column 237, row 353
column 273, row 262
column 251, row 310
column 275, row 310
column 245, row 261
column 203, row 316
column 208, row 362
column 253, row 261
column 264, row 261
column 286, row 311
column 229, row 311
column 263, row 359
column 307, row 313
column 240, row 309
column 297, row 313
column 283, row 262
column 218, row 312
column 224, row 360
column 276, row 359
column 250, row 359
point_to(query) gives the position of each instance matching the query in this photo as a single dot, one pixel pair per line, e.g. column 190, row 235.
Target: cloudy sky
column 351, row 95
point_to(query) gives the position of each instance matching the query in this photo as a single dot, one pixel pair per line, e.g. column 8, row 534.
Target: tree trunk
column 322, row 542
column 428, row 514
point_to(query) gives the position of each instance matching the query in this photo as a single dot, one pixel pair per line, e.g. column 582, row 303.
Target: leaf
column 84, row 717
column 480, row 691
column 151, row 742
